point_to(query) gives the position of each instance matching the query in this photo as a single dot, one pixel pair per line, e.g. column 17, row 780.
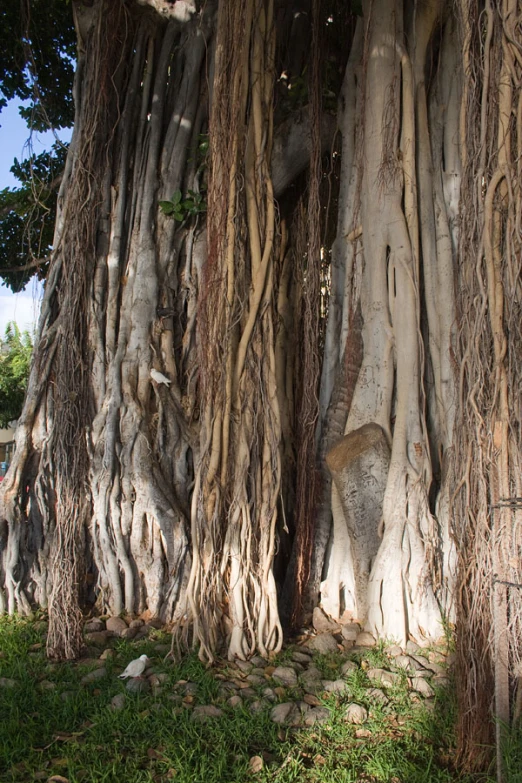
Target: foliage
column 181, row 209
column 54, row 725
column 15, row 359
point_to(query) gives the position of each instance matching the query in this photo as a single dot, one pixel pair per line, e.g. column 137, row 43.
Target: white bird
column 135, row 668
column 159, row 377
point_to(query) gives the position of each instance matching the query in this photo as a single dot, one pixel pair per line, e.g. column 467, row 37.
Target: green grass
column 154, row 740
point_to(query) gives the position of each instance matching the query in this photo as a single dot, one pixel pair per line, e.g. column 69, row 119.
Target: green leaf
column 176, row 198
column 167, row 207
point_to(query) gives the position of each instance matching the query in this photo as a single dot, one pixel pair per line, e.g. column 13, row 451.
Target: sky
column 24, row 306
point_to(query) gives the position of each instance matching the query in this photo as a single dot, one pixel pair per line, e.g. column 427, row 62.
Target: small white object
column 159, row 377
column 135, row 668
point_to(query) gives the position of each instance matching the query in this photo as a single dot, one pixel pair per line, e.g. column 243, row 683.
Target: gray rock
column 324, row 643
column 136, row 623
column 97, row 674
column 394, row 650
column 301, row 657
column 107, row 654
column 129, row 633
column 434, row 667
column 269, row 694
column 412, row 647
column 350, row 631
column 322, row 623
column 334, row 686
column 441, row 681
column 383, row 677
column 377, row 695
column 117, row 625
column 138, row 685
column 94, row 625
column 98, row 638
column 256, row 660
column 255, row 679
column 356, row 713
column 407, row 662
column 420, row 685
column 348, row 667
column 257, row 706
column 117, row 702
column 285, row 675
column 249, row 692
column 244, row 666
column 235, row 701
column 365, row 639
column 316, row 715
column 46, row 685
column 280, row 712
column 206, row 712
column 67, row 695
column 6, row 682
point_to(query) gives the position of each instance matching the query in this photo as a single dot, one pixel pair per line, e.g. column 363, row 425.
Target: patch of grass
column 54, row 725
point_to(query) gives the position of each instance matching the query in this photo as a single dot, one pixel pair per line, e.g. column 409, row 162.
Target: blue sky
column 14, row 135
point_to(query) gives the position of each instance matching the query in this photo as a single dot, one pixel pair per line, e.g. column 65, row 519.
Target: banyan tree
column 278, row 361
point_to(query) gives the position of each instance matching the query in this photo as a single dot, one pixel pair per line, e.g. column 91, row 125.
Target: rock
column 348, row 667
column 441, row 681
column 334, row 686
column 107, row 654
column 365, row 639
column 286, row 675
column 244, row 666
column 322, row 623
column 383, row 677
column 394, row 650
column 137, row 685
column 350, row 631
column 420, row 685
column 432, row 666
column 436, row 657
column 155, row 623
column 255, row 679
column 235, row 701
column 117, row 702
column 256, row 660
column 94, row 625
column 377, row 695
column 280, row 712
column 301, row 657
column 67, row 695
column 129, row 633
column 136, row 623
column 98, row 638
column 407, row 663
column 256, row 764
column 312, row 700
column 250, row 692
column 412, row 647
column 269, row 694
column 363, row 733
column 97, row 674
column 356, row 713
column 162, row 649
column 324, row 643
column 46, row 685
column 316, row 715
column 116, row 625
column 6, row 682
column 257, row 706
column 206, row 712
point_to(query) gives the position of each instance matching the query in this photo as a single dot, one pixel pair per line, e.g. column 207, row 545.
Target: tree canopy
column 16, row 350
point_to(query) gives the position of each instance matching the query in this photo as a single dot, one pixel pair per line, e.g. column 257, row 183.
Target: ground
column 352, row 713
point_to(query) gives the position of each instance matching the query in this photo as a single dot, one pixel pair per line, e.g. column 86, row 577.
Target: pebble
column 322, row 623
column 138, row 685
column 420, row 685
column 98, row 638
column 280, row 712
column 408, row 663
column 383, row 677
column 365, row 639
column 235, row 701
column 316, row 715
column 205, row 712
column 94, row 625
column 356, row 713
column 350, row 632
column 324, row 643
column 117, row 702
column 377, row 695
column 116, row 625
column 348, row 667
column 285, row 675
column 97, row 674
column 334, row 686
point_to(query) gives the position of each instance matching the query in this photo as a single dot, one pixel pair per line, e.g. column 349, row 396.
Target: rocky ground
column 290, row 688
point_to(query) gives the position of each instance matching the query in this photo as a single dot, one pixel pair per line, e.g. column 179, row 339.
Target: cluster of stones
column 294, row 693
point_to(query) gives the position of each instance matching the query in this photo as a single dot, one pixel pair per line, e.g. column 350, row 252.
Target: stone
column 117, row 702
column 98, row 638
column 255, row 679
column 394, row 650
column 129, row 633
column 432, row 666
column 97, row 674
column 286, row 675
column 256, row 660
column 257, row 706
column 348, row 667
column 363, row 733
column 324, row 643
column 334, row 686
column 269, row 694
column 322, row 623
column 350, row 631
column 116, row 625
column 365, row 639
column 46, row 685
column 441, row 681
column 280, row 712
column 301, row 657
column 155, row 623
column 107, row 654
column 6, row 682
column 250, row 692
column 138, row 685
column 244, row 666
column 316, row 715
column 407, row 663
column 67, row 695
column 356, row 713
column 383, row 677
column 436, row 657
column 138, row 623
column 312, row 700
column 94, row 625
column 206, row 712
column 420, row 685
column 256, row 764
column 377, row 695
column 235, row 701
column 412, row 647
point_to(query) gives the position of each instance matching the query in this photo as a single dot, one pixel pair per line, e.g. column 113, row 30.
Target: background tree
column 16, row 349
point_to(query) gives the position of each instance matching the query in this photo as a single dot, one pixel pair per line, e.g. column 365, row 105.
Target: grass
column 153, row 739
